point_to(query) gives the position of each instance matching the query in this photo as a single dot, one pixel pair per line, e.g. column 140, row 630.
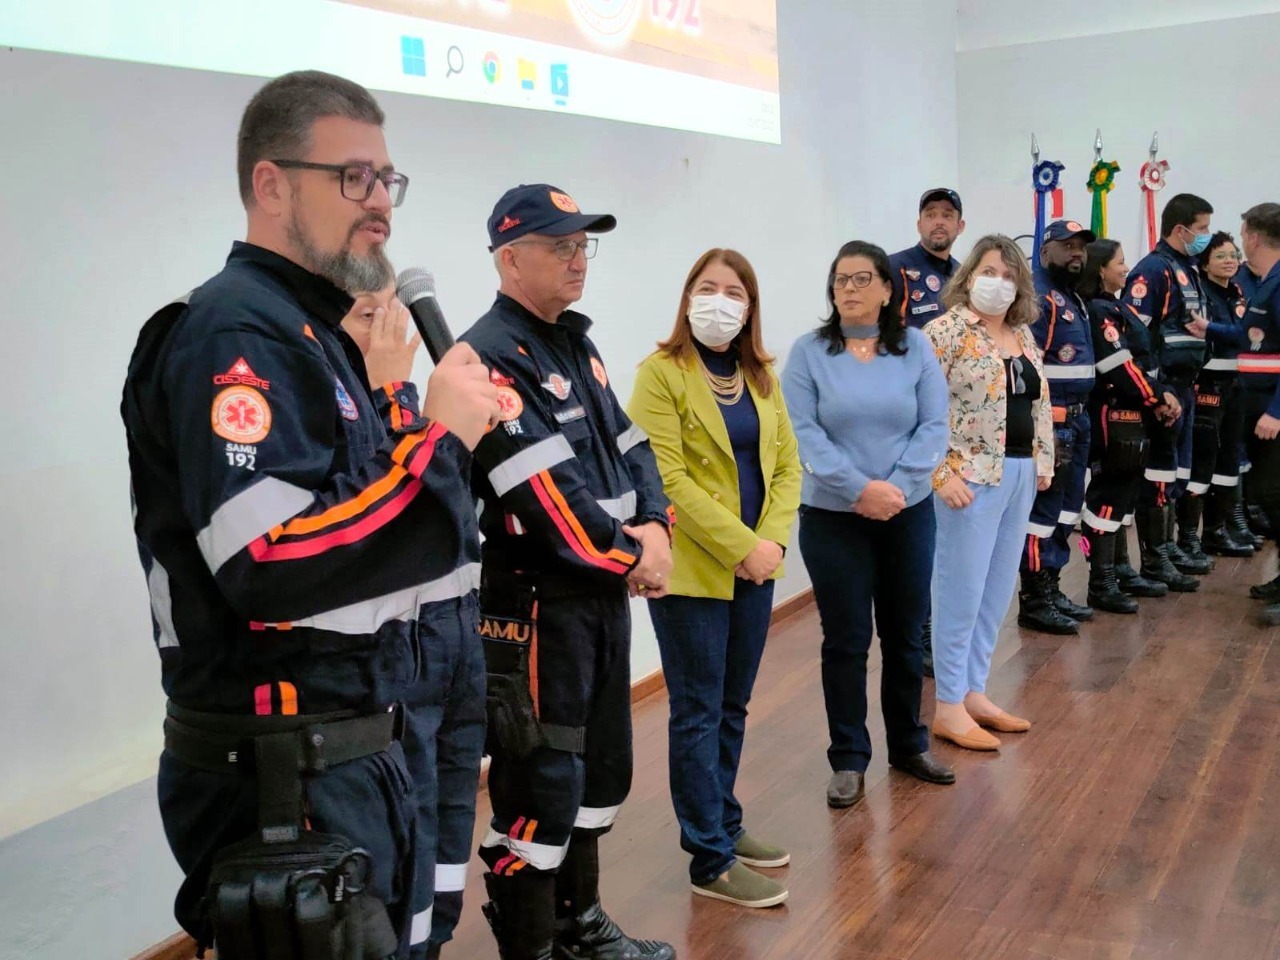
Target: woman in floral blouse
column 1000, row 453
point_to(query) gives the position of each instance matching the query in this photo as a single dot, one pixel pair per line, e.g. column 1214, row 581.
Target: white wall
column 119, row 192
column 1192, row 82
column 997, row 23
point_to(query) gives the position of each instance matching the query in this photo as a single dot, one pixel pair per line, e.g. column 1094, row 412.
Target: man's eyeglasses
column 565, row 250
column 859, row 281
column 356, row 180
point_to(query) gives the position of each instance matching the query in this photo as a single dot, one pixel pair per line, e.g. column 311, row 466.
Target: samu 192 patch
column 241, row 414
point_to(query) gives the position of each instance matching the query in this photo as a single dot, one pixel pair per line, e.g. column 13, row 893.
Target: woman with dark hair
column 1000, row 453
column 1123, row 398
column 711, row 405
column 1215, row 456
column 869, row 406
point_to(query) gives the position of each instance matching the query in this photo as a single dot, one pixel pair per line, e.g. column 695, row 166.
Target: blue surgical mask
column 1199, row 241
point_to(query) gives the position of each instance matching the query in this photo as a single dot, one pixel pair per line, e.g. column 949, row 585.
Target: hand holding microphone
column 459, row 393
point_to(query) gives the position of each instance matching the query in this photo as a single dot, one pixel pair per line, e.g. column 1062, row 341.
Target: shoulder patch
column 510, row 405
column 241, row 414
column 598, row 371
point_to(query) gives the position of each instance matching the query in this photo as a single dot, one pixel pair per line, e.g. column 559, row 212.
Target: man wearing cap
column 918, row 275
column 1164, row 291
column 574, row 520
column 1063, row 333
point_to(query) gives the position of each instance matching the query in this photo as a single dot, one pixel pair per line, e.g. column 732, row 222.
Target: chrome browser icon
column 492, row 67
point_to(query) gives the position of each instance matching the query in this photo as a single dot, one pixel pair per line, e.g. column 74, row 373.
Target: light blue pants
column 975, row 570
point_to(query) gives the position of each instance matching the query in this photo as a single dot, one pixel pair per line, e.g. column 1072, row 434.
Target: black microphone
column 416, row 289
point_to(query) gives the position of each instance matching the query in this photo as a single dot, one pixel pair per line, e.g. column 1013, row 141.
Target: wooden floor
column 1140, row 818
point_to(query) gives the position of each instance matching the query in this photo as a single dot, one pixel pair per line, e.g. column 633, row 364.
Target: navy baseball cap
column 1066, row 229
column 942, row 193
column 541, row 208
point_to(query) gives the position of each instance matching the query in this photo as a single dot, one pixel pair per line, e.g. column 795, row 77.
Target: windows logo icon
column 413, row 56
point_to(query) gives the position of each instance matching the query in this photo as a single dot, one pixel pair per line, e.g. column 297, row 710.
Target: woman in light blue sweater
column 869, row 407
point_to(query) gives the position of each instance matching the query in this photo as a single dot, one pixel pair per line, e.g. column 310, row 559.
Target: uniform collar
column 320, row 298
column 1182, row 258
column 942, row 266
column 570, row 321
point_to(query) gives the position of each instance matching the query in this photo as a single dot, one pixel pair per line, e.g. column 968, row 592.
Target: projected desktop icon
column 453, row 59
column 492, row 67
column 527, row 71
column 559, row 78
column 413, row 56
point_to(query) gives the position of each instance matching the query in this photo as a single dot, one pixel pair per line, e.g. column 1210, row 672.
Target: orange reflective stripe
column 288, row 698
column 353, row 507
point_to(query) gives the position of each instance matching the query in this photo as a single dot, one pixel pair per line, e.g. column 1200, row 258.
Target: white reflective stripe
column 1182, row 338
column 1195, row 486
column 368, row 615
column 1039, row 530
column 161, row 605
column 1222, row 363
column 1259, row 362
column 529, row 462
column 1117, row 359
column 541, row 856
column 421, row 928
column 1223, row 480
column 1145, row 318
column 621, row 508
column 1128, row 520
column 1068, row 519
column 1245, row 467
column 595, row 817
column 1160, row 476
column 1088, row 477
column 630, row 437
column 450, row 877
column 1095, row 521
column 1184, row 473
column 247, row 516
column 1068, row 373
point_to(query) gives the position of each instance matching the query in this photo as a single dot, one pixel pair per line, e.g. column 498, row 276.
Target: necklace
column 726, row 389
column 864, row 349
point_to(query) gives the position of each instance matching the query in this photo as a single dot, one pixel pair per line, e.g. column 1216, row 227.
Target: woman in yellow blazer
column 713, row 410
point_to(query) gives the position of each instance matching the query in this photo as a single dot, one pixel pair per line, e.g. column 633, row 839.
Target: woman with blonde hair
column 1000, row 453
column 713, row 410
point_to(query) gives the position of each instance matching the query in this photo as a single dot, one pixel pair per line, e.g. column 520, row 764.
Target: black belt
column 225, row 743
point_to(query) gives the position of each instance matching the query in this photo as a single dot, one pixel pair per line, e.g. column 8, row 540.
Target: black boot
column 1219, row 538
column 522, row 914
column 1177, row 535
column 1153, row 538
column 1256, row 517
column 1104, row 590
column 1036, row 609
column 1188, row 510
column 1132, row 582
column 583, row 930
column 1065, row 604
column 926, row 641
column 1237, row 522
column 433, row 951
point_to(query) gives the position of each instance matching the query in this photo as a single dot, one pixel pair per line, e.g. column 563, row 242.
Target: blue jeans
column 974, row 574
column 857, row 565
column 711, row 652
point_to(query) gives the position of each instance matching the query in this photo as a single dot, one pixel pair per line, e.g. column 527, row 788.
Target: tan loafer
column 1003, row 721
column 975, row 739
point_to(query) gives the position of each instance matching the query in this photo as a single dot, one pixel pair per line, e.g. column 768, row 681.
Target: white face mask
column 715, row 318
column 992, row 295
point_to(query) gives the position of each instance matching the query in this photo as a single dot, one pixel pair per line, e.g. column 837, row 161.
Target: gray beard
column 343, row 269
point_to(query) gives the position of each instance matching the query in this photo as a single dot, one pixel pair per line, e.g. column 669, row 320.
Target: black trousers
column 1206, row 435
column 580, row 671
column 1117, row 475
column 1264, row 476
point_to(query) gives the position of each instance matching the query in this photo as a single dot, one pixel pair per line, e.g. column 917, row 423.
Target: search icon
column 454, row 59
